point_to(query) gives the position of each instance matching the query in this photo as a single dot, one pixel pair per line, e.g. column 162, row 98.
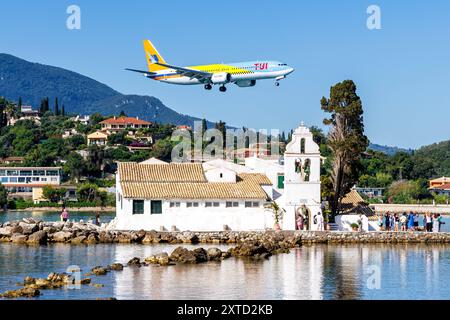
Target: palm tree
column 277, row 213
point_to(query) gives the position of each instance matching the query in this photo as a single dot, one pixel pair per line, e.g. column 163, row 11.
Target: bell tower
column 301, row 178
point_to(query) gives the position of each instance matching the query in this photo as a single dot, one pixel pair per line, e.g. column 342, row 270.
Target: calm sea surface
column 310, row 272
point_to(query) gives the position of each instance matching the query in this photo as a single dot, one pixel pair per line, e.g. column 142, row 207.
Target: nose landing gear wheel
column 277, row 84
column 208, row 86
column 223, row 89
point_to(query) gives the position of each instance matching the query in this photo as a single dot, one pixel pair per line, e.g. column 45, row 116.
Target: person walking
column 411, row 221
column 97, row 218
column 435, row 223
column 320, row 222
column 416, row 221
column 299, row 222
column 403, row 221
column 429, row 222
column 387, row 221
column 440, row 221
column 64, row 215
column 380, row 222
column 364, row 223
column 397, row 221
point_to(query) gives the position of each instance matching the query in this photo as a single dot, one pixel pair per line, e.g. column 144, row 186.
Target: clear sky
column 402, row 71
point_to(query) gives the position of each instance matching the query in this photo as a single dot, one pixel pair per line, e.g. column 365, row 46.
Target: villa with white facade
column 218, row 195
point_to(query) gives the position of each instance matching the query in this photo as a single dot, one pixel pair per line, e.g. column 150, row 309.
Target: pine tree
column 63, row 111
column 346, row 138
column 122, row 114
column 19, row 104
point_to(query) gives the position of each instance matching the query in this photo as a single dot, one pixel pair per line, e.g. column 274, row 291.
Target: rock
column 6, row 231
column 28, row 228
column 160, row 258
column 78, row 240
column 61, row 236
column 201, row 255
column 248, row 249
column 99, row 271
column 116, row 267
column 214, row 254
column 19, row 238
column 183, row 255
column 21, row 293
column 134, row 262
column 86, row 281
column 39, row 237
column 97, row 285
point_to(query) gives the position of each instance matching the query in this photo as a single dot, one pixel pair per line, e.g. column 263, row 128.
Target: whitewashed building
column 218, row 195
column 187, row 197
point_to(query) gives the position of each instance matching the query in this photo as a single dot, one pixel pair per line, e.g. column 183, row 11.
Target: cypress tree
column 346, row 138
column 56, row 107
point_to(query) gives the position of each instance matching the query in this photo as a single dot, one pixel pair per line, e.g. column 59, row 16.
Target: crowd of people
column 410, row 222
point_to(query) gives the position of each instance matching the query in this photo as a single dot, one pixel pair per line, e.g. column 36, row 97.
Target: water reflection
column 309, row 272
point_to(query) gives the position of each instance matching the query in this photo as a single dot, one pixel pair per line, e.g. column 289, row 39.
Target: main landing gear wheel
column 208, row 86
column 223, row 89
column 277, row 84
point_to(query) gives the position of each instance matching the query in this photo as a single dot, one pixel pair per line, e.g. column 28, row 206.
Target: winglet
column 153, row 57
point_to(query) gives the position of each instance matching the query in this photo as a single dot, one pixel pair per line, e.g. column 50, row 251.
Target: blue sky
column 402, row 71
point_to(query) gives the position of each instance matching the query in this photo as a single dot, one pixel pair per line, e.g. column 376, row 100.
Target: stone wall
column 419, row 208
column 30, row 231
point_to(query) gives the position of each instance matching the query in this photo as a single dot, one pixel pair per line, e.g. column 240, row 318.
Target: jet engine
column 245, row 83
column 221, row 78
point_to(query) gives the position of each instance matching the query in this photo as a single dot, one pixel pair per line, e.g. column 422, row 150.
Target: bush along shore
column 31, row 231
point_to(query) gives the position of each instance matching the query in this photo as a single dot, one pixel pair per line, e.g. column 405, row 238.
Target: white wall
column 344, row 223
column 194, row 218
column 220, row 175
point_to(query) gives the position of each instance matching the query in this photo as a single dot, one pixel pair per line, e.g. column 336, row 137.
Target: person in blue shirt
column 411, row 221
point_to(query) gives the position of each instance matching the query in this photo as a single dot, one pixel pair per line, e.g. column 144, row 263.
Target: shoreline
column 33, row 231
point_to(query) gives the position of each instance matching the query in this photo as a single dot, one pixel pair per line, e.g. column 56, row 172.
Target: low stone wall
column 30, row 231
column 419, row 208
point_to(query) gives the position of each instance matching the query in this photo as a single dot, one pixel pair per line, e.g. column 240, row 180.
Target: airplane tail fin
column 152, row 55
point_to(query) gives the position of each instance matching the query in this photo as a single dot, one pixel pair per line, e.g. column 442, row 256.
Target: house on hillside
column 28, row 182
column 116, row 124
column 97, row 138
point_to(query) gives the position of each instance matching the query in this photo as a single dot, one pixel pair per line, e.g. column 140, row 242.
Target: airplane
column 243, row 74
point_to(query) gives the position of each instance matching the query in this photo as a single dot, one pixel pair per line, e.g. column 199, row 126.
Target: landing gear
column 277, row 84
column 208, row 86
column 223, row 89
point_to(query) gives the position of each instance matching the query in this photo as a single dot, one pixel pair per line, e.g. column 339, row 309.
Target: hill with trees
column 79, row 94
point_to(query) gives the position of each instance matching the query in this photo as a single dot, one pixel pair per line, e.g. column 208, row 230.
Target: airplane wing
column 142, row 71
column 191, row 73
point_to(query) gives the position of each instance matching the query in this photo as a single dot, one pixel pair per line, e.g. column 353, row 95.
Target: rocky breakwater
column 32, row 231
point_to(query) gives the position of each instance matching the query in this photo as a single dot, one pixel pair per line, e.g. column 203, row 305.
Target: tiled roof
column 173, row 172
column 124, row 120
column 257, row 178
column 353, row 203
column 210, row 190
column 185, row 181
column 443, row 187
column 98, row 135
